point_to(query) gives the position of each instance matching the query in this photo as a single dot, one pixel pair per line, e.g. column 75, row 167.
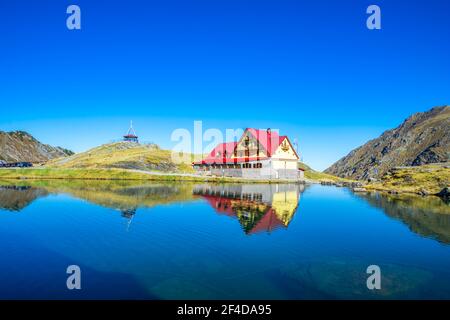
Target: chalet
column 259, row 154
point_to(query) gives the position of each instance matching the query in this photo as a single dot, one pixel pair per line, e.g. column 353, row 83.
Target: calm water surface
column 234, row 241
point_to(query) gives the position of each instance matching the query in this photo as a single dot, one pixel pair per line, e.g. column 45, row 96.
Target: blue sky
column 310, row 68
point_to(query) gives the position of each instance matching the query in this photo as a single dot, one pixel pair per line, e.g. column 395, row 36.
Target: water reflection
column 427, row 216
column 124, row 196
column 16, row 198
column 258, row 208
column 189, row 250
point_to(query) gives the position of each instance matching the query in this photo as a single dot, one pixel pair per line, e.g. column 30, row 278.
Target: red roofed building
column 259, row 154
column 131, row 135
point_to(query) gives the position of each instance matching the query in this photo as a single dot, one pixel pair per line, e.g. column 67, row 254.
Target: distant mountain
column 423, row 138
column 18, row 146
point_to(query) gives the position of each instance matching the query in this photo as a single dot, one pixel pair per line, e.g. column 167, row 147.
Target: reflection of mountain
column 125, row 196
column 427, row 216
column 15, row 198
column 258, row 207
column 131, row 197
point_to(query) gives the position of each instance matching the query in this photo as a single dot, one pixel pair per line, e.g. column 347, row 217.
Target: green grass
column 112, row 174
column 59, row 173
column 323, row 177
column 314, row 175
column 125, row 155
column 428, row 179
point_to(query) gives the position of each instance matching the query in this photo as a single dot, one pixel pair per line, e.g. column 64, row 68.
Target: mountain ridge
column 422, row 138
column 20, row 146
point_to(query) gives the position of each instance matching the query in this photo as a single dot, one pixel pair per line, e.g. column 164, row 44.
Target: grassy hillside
column 314, row 175
column 426, row 179
column 123, row 155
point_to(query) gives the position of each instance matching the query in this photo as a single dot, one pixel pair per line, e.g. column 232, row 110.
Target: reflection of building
column 128, row 214
column 259, row 154
column 258, row 207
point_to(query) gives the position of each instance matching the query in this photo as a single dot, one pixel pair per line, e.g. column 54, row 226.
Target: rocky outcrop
column 19, row 146
column 444, row 194
column 423, row 138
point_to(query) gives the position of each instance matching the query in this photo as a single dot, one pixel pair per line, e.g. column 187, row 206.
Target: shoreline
column 116, row 174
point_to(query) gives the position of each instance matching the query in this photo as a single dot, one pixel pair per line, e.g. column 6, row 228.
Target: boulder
column 444, row 193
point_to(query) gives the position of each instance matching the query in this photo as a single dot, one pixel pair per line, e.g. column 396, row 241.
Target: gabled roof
column 269, row 140
column 268, row 223
column 226, row 148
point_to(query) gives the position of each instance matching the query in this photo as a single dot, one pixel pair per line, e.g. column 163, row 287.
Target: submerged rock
column 423, row 192
column 338, row 278
column 444, row 194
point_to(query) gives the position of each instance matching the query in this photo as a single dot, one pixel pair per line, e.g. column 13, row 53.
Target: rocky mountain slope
column 18, row 146
column 423, row 138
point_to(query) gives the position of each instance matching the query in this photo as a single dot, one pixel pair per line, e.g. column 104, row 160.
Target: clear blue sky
column 310, row 68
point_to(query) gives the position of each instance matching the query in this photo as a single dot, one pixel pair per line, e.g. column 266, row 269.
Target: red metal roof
column 223, row 151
